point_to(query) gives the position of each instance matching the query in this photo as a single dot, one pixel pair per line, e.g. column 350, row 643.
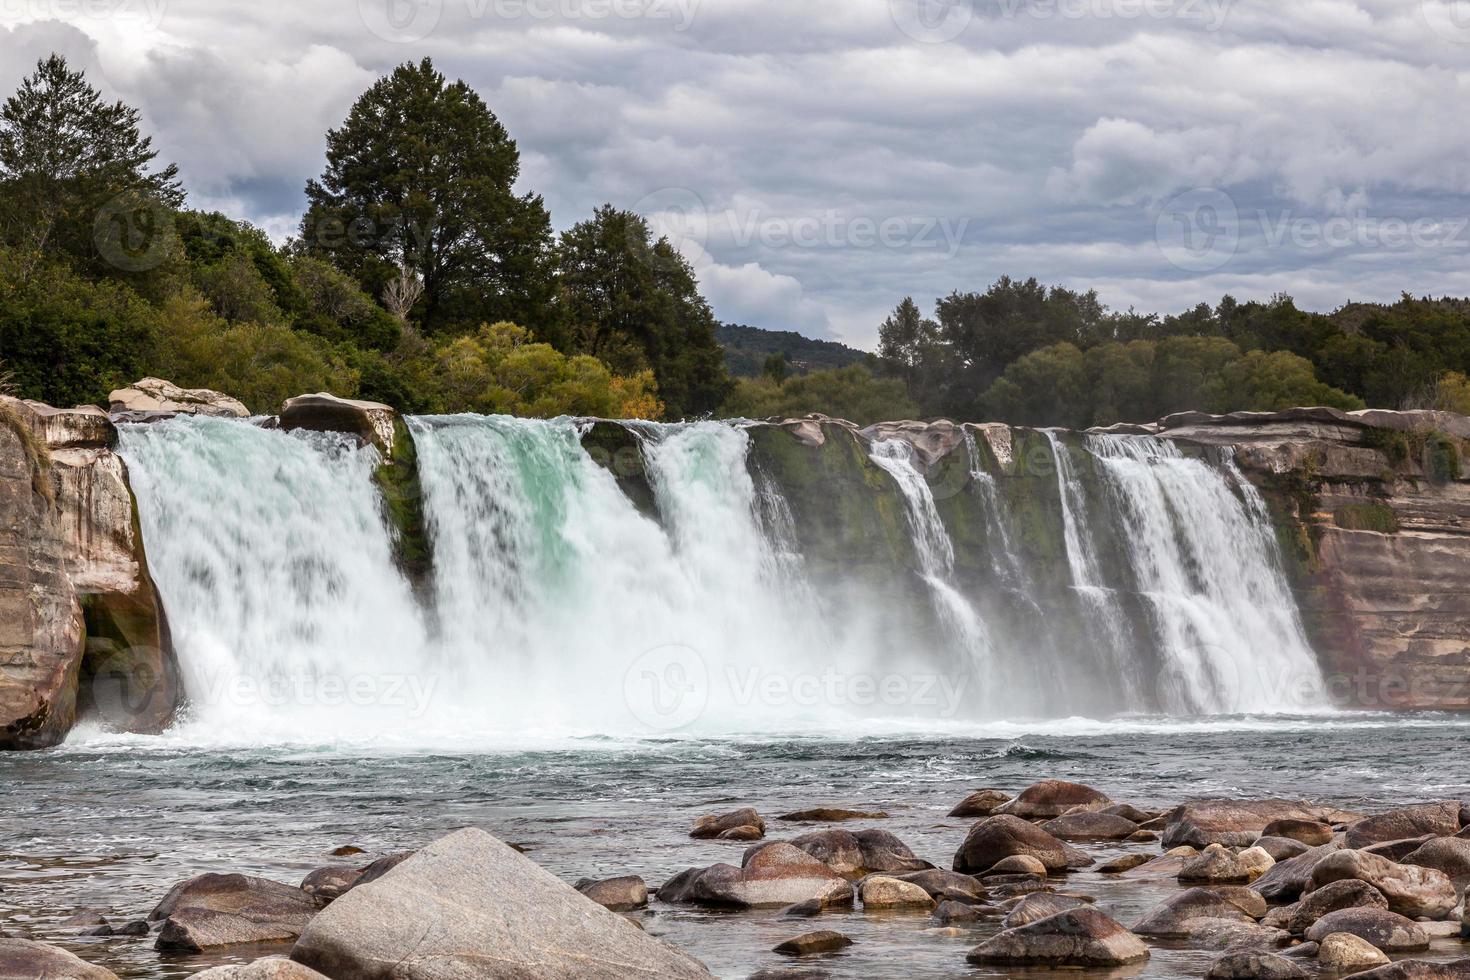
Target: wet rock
column 1313, row 833
column 1252, row 903
column 467, row 901
column 1411, row 891
column 1438, row 819
column 788, row 973
column 157, row 395
column 1034, row 908
column 1397, row 850
column 814, row 942
column 1281, row 848
column 372, row 422
column 857, row 854
column 1052, row 798
column 1082, row 937
column 775, row 875
column 1349, row 894
column 1280, row 916
column 330, row 883
column 1159, row 868
column 1219, row 865
column 135, row 928
column 619, row 894
column 1228, row 934
column 84, row 920
column 832, row 815
column 1176, row 915
column 951, row 913
column 1418, row 970
column 1448, row 855
column 1089, row 825
column 804, row 910
column 1251, row 965
column 1126, row 862
column 947, row 885
column 1234, row 823
column 21, row 959
column 1346, row 953
column 381, row 866
column 883, row 892
column 270, row 968
column 743, row 834
column 1143, row 836
column 1002, row 887
column 1019, row 864
column 706, row 828
column 996, row 838
column 214, row 910
column 347, row 850
column 981, row 803
column 1386, row 930
column 1129, row 812
column 680, row 888
column 1301, row 951
column 1286, row 881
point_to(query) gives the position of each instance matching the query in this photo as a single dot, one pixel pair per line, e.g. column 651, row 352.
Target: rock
column 1158, row 869
column 1286, row 881
column 1280, row 916
column 680, row 888
column 1281, row 848
column 619, row 894
column 1389, row 931
column 468, row 905
column 1418, row 970
column 270, row 968
column 1448, row 855
column 981, row 803
column 330, row 883
column 996, row 838
column 710, row 827
column 1439, row 819
column 1411, row 891
column 1313, row 833
column 1234, row 823
column 1015, row 886
column 785, row 973
column 1219, row 865
column 774, row 875
column 1089, row 825
column 1301, row 951
column 743, row 834
column 1036, row 907
column 1176, row 915
column 1397, row 850
column 1129, row 812
column 347, row 850
column 883, row 892
column 832, row 815
column 804, row 910
column 135, row 928
column 1251, row 902
column 813, row 942
column 157, row 395
column 1126, row 862
column 855, row 855
column 1143, row 836
column 1347, row 953
column 1440, row 930
column 1348, row 894
column 1082, row 937
column 223, row 910
column 84, row 920
column 1250, row 965
column 1019, row 864
column 957, row 913
column 382, row 866
column 947, row 885
column 1052, row 798
column 1228, row 934
column 21, row 959
column 372, row 422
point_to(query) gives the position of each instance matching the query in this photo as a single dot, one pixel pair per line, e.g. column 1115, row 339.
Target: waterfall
column 1008, row 562
column 1204, row 556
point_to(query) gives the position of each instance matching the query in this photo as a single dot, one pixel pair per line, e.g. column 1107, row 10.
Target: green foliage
column 851, row 393
column 1371, row 516
column 1395, row 445
column 748, row 348
column 1441, row 457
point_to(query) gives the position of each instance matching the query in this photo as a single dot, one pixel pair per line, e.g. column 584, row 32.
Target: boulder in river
column 1344, row 953
column 1447, row 855
column 1234, row 823
column 372, row 422
column 1419, row 970
column 774, row 875
column 1081, row 937
column 270, row 968
column 998, row 837
column 828, row 814
column 1052, row 798
column 1411, row 891
column 1312, row 833
column 883, row 892
column 1286, row 880
column 214, row 910
column 855, row 854
column 1254, row 965
column 1090, row 825
column 1122, row 863
column 1347, row 894
column 468, row 905
column 1018, row 864
column 714, row 826
column 21, row 959
column 807, row 944
column 1281, row 848
column 1386, row 930
column 1220, row 865
column 330, row 883
column 1176, row 915
column 152, row 395
column 981, row 803
column 1438, row 819
column 950, row 886
column 619, row 894
column 1034, row 908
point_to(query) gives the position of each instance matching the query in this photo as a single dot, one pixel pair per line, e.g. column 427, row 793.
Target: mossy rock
column 617, row 449
column 403, row 500
column 1373, row 516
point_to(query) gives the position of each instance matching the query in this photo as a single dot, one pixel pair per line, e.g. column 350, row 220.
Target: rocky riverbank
column 1254, row 888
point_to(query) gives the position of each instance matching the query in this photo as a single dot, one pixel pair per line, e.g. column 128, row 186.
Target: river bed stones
column 827, row 814
column 1234, row 823
column 1418, row 970
column 773, row 875
column 1080, row 937
column 1411, row 891
column 882, row 892
column 468, row 901
column 1346, row 894
column 1219, row 865
column 214, row 910
column 996, row 838
column 623, row 894
column 1435, row 819
column 1254, row 965
column 943, row 886
column 856, row 854
column 1052, row 798
column 1448, row 855
column 981, row 803
column 1386, row 930
column 1090, row 825
column 1286, row 880
column 1178, row 915
column 270, row 968
column 1281, row 848
column 811, row 943
column 744, row 824
column 21, row 959
column 1034, row 908
column 1313, row 833
column 1122, row 863
column 1347, row 953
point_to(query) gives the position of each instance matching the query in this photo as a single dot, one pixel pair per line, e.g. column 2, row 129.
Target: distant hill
column 746, row 350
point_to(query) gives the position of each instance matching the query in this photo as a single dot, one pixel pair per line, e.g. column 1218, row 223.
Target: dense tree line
column 419, row 276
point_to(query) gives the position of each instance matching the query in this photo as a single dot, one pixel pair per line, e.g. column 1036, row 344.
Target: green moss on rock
column 1371, row 516
column 403, row 497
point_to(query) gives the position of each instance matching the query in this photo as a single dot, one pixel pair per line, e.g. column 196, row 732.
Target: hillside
column 746, row 350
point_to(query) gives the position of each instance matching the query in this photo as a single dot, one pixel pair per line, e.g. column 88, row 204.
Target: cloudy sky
column 819, row 160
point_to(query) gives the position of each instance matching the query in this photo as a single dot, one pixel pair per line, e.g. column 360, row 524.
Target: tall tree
column 75, row 172
column 634, row 303
column 419, row 183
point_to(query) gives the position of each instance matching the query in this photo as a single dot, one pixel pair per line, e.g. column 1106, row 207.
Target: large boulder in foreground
column 21, row 959
column 1234, row 823
column 372, row 422
column 156, row 395
column 215, row 910
column 1386, row 930
column 469, row 906
column 1410, row 890
column 1054, row 797
column 1436, row 819
column 1080, row 937
column 1004, row 835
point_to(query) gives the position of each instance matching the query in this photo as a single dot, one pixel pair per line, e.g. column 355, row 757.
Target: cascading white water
column 1008, row 562
column 1204, row 556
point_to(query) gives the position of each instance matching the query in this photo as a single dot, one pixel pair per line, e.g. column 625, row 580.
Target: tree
column 634, row 303
column 420, row 177
column 906, row 338
column 75, row 170
column 851, row 393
